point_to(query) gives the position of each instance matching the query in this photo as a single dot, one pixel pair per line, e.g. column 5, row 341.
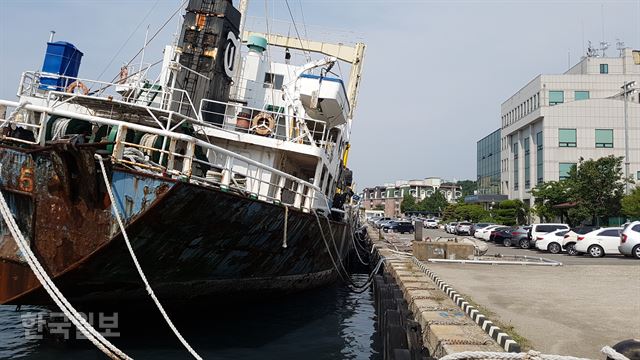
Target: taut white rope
column 137, row 264
column 80, row 323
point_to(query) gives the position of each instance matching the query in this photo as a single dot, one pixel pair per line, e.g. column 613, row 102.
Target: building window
column 582, row 95
column 516, row 175
column 604, row 138
column 527, row 171
column 556, row 97
column 604, row 68
column 539, row 159
column 564, row 170
column 638, row 175
column 567, row 137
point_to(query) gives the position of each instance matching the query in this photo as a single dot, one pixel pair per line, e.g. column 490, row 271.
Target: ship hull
column 194, row 243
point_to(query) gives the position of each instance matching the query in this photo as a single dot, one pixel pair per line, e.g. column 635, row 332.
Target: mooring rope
column 612, row 353
column 286, row 222
column 137, row 264
column 71, row 313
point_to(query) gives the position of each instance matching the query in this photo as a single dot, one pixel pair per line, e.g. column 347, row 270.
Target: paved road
column 569, row 310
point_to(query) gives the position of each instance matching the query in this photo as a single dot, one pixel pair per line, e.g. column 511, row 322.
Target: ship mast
column 243, row 13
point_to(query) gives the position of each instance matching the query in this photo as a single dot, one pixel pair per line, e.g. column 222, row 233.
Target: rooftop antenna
column 603, row 44
column 591, row 52
column 51, row 34
column 620, row 47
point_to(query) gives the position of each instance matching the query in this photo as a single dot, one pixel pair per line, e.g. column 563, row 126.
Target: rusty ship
column 228, row 169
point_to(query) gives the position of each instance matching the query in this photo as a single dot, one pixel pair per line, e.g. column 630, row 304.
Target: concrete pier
column 446, row 328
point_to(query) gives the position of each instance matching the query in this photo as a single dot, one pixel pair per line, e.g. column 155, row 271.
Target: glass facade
column 604, row 138
column 564, row 170
column 488, row 164
column 539, row 158
column 527, row 169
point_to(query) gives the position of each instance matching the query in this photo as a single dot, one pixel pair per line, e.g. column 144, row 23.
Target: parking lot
column 574, row 309
column 562, row 257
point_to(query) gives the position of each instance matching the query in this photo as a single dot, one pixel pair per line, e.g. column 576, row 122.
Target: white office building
column 556, row 119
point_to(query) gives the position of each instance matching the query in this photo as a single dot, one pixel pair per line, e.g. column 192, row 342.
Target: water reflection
column 329, row 323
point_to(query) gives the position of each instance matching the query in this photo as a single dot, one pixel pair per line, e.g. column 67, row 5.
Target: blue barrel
column 61, row 61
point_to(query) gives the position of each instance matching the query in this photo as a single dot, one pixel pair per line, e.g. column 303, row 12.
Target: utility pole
column 627, row 88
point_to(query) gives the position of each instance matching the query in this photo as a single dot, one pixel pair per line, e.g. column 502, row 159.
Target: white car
column 599, row 242
column 485, row 232
column 431, row 224
column 542, row 229
column 630, row 240
column 450, row 227
column 551, row 242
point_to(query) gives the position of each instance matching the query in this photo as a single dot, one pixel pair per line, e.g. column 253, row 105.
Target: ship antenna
column 146, row 37
column 51, row 34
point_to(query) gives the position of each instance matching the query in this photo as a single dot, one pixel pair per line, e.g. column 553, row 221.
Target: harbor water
column 327, row 323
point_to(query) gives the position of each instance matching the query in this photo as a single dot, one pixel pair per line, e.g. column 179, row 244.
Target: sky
column 435, row 72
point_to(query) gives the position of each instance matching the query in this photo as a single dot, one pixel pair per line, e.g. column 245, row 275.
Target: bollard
column 418, row 230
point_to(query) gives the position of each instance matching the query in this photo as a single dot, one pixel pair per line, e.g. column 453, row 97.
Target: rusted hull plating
column 194, row 243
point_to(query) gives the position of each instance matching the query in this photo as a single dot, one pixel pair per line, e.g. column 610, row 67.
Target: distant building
column 389, row 196
column 556, row 119
column 488, row 164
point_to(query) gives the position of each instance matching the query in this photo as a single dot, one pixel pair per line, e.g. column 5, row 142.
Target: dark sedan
column 494, row 232
column 398, row 226
column 511, row 236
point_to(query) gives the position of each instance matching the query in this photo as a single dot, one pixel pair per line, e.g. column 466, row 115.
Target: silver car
column 463, row 228
column 630, row 240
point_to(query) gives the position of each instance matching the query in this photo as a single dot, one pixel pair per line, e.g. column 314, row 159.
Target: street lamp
column 627, row 88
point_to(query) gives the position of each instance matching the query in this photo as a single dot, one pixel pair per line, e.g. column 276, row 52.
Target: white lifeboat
column 324, row 98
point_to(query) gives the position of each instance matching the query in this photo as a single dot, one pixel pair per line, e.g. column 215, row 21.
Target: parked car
column 431, row 224
column 398, row 226
column 483, row 232
column 380, row 224
column 539, row 230
column 570, row 238
column 478, row 226
column 630, row 240
column 464, row 228
column 599, row 242
column 495, row 231
column 503, row 236
column 450, row 227
column 380, row 219
column 512, row 236
column 552, row 241
column 520, row 236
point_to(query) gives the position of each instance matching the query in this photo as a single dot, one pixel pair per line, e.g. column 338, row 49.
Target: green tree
column 468, row 187
column 597, row 186
column 506, row 212
column 378, row 207
column 470, row 212
column 449, row 212
column 436, row 203
column 548, row 195
column 631, row 204
column 408, row 203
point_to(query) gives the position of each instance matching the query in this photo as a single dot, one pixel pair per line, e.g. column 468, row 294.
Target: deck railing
column 268, row 123
column 184, row 157
column 131, row 90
